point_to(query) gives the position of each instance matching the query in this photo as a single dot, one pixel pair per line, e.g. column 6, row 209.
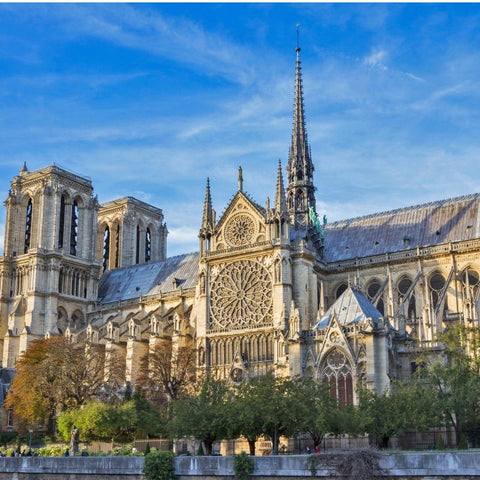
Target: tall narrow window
column 372, row 291
column 148, row 246
column 74, row 229
column 403, row 287
column 337, row 373
column 137, row 254
column 436, row 283
column 106, row 248
column 61, row 226
column 28, row 226
column 117, row 247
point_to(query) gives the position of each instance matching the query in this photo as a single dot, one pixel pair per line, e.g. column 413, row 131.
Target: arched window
column 117, row 247
column 62, row 320
column 148, row 245
column 74, row 229
column 340, row 290
column 403, row 286
column 372, row 290
column 28, row 225
column 337, row 373
column 137, row 254
column 61, row 224
column 470, row 284
column 106, row 247
column 436, row 284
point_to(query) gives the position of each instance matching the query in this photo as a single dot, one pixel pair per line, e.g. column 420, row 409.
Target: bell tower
column 49, row 272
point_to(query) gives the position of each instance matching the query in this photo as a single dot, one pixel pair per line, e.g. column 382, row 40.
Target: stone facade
column 272, row 287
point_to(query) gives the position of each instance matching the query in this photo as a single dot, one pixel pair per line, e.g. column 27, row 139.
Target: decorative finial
column 240, row 179
column 298, row 37
column 24, row 168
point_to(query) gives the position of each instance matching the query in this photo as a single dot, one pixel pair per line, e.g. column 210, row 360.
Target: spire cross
column 298, row 37
column 240, row 179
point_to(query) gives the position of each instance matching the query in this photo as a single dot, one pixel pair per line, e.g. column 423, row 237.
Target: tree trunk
column 251, row 446
column 208, row 447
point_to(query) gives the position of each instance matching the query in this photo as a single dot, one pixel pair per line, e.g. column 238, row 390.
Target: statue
column 75, row 439
column 314, row 219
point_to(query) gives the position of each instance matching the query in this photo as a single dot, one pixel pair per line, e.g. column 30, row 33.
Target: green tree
column 407, row 405
column 316, row 410
column 99, row 421
column 456, row 382
column 203, row 415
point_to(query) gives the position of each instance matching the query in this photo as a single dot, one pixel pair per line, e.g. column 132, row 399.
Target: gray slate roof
column 429, row 224
column 351, row 308
column 149, row 278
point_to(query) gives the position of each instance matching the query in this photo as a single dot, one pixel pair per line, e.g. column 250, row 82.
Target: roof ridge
column 403, row 209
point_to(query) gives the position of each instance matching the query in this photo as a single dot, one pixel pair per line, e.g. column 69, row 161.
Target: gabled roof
column 351, row 308
column 246, row 197
column 434, row 223
column 149, row 278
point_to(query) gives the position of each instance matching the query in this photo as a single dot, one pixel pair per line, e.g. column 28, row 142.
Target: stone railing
column 401, row 466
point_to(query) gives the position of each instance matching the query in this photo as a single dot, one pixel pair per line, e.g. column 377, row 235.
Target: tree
column 167, row 372
column 264, row 406
column 54, row 374
column 317, row 409
column 99, row 421
column 456, row 382
column 202, row 415
column 407, row 405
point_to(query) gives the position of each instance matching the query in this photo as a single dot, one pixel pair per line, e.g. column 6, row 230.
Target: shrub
column 159, row 465
column 242, row 466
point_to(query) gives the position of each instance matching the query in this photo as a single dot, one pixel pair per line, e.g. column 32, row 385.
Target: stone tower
column 49, row 273
column 130, row 232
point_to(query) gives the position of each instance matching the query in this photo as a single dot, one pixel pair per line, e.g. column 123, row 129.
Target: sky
column 148, row 100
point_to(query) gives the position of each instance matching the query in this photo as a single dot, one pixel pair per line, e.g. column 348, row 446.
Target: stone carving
column 241, row 295
column 239, row 230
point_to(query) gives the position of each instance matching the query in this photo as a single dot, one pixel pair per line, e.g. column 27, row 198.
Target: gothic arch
column 337, row 370
column 62, row 320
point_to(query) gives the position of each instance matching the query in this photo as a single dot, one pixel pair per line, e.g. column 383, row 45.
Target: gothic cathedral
column 272, row 288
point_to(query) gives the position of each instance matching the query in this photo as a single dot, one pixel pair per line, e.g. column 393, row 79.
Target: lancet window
column 28, row 225
column 436, row 284
column 61, row 223
column 470, row 286
column 74, row 229
column 372, row 291
column 106, row 248
column 403, row 286
column 337, row 373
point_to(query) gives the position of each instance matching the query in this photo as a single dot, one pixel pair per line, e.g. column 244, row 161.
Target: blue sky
column 149, row 99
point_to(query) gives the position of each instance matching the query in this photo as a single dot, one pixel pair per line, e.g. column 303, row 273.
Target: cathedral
column 272, row 288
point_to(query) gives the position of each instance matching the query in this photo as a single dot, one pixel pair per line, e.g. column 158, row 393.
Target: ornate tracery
column 241, row 295
column 337, row 373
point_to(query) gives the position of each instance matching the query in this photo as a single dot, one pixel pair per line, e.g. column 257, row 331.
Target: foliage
column 407, row 405
column 242, row 466
column 456, row 383
column 53, row 375
column 98, row 421
column 167, row 373
column 159, row 465
column 202, row 415
column 317, row 410
column 7, row 437
column 264, row 406
column 52, row 451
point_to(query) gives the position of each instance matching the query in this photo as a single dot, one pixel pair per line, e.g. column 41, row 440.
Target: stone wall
column 401, row 466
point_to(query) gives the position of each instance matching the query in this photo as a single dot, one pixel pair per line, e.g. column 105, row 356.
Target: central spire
column 300, row 189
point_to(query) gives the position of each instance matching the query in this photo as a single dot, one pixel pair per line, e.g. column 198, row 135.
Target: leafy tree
column 203, row 415
column 53, row 375
column 407, row 405
column 264, row 406
column 456, row 382
column 316, row 410
column 99, row 421
column 166, row 372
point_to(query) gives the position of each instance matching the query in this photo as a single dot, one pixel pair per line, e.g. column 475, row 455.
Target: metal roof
column 168, row 275
column 351, row 308
column 424, row 225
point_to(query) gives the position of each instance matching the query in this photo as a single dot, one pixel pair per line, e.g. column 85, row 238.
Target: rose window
column 239, row 230
column 241, row 295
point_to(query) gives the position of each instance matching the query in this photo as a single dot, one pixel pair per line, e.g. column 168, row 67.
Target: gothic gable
column 242, row 224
